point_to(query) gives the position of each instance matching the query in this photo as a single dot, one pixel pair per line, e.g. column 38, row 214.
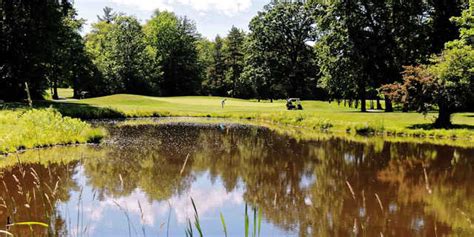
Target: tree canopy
column 173, row 43
column 280, row 61
column 447, row 82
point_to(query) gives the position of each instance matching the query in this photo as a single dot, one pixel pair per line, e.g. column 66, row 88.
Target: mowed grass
column 63, row 93
column 317, row 115
column 30, row 128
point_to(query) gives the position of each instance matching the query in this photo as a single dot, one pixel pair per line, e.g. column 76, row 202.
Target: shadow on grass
column 429, row 126
column 82, row 111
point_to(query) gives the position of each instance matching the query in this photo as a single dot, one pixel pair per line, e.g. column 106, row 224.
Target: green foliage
column 279, row 62
column 22, row 129
column 234, row 51
column 364, row 44
column 222, row 60
column 31, row 39
column 448, row 82
column 215, row 82
column 466, row 24
column 118, row 50
column 173, row 42
column 71, row 66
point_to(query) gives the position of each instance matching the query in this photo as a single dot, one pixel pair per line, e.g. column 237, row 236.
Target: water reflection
column 140, row 180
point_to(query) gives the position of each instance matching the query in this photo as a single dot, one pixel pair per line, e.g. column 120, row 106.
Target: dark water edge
column 146, row 174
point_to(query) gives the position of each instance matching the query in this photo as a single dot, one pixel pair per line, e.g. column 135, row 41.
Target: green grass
column 30, row 128
column 63, row 93
column 317, row 115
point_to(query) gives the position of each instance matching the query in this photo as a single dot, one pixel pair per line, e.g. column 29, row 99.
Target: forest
column 412, row 55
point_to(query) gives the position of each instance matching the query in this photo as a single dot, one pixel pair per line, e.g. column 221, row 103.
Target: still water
column 140, row 183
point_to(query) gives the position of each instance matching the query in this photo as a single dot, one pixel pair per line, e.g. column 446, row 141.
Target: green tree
column 442, row 29
column 118, row 49
column 98, row 46
column 217, row 81
column 28, row 43
column 280, row 63
column 173, row 43
column 70, row 64
column 364, row 44
column 448, row 82
column 109, row 15
column 234, row 53
column 205, row 50
column 130, row 57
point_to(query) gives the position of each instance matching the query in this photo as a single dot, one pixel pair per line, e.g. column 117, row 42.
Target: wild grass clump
column 30, row 128
column 368, row 129
column 323, row 125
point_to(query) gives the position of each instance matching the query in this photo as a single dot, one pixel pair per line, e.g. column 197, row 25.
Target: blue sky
column 212, row 17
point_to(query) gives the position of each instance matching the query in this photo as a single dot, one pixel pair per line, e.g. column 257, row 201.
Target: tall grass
column 30, row 128
column 257, row 223
column 223, row 224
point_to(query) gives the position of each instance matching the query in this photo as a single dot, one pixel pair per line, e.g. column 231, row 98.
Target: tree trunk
column 363, row 106
column 379, row 105
column 75, row 87
column 405, row 108
column 55, row 90
column 75, row 93
column 444, row 117
column 372, row 104
column 28, row 95
column 388, row 105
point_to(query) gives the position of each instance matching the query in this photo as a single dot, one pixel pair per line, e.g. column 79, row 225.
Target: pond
column 140, row 183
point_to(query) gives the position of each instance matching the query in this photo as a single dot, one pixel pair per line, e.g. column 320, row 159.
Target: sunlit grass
column 63, row 93
column 29, row 128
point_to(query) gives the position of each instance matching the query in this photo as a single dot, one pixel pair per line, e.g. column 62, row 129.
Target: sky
column 212, row 17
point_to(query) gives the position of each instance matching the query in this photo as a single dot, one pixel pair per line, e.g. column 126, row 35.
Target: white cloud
column 227, row 7
column 206, row 201
column 146, row 5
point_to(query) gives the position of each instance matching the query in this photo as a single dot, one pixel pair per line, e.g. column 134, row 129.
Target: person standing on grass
column 223, row 102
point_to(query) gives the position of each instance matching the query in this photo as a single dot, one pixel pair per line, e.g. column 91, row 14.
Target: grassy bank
column 30, row 128
column 317, row 115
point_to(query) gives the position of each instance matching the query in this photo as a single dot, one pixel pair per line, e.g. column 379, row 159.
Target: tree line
column 335, row 50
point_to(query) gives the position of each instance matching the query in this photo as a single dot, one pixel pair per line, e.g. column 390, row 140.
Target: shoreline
column 297, row 132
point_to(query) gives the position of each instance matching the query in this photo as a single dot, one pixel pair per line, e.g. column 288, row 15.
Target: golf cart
column 294, row 104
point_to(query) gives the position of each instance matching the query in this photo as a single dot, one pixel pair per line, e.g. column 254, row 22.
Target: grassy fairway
column 316, row 115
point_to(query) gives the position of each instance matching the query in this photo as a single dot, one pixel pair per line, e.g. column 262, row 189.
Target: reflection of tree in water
column 145, row 157
column 446, row 191
column 271, row 167
column 300, row 185
column 30, row 192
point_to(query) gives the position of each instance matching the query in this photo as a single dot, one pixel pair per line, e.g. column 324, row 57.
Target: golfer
column 223, row 102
